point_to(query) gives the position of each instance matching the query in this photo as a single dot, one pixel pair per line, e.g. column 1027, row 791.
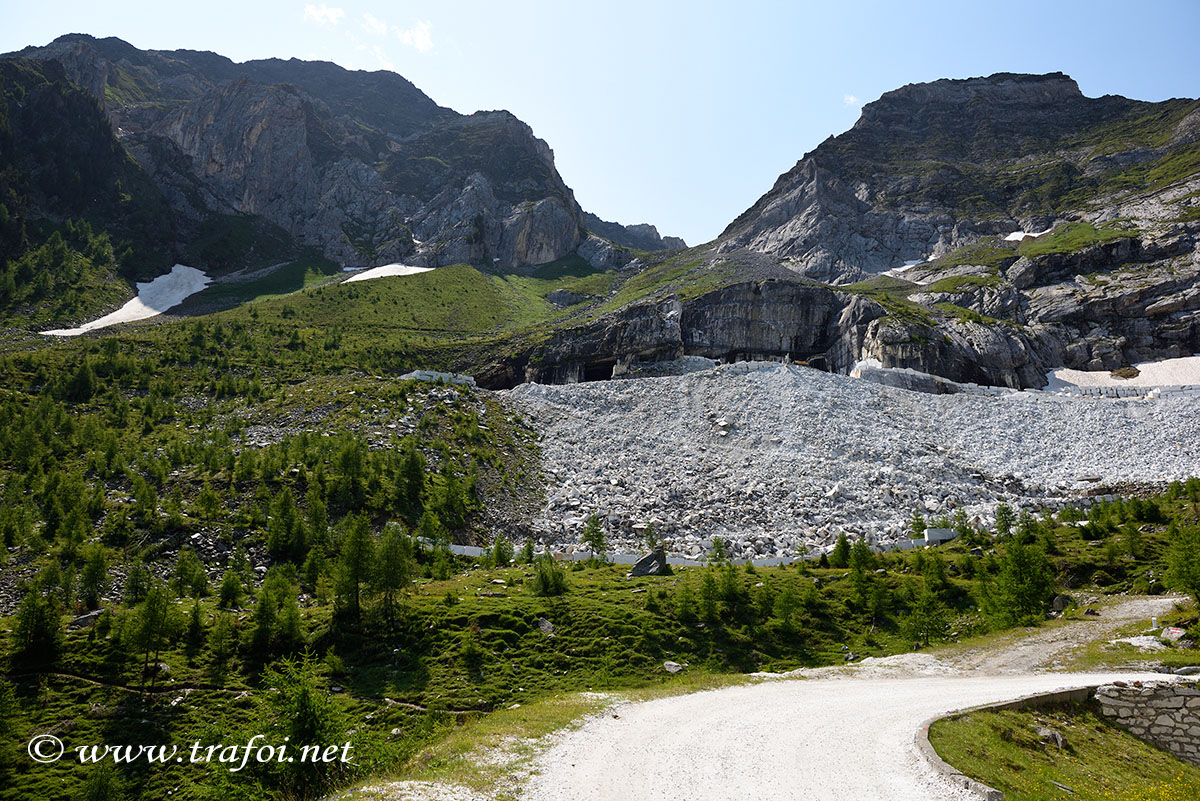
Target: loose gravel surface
column 1050, row 647
column 778, row 459
column 815, row 740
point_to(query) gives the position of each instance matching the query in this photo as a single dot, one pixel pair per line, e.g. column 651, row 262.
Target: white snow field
column 776, row 459
column 1017, row 236
column 904, row 269
column 153, row 298
column 385, row 271
column 1168, row 372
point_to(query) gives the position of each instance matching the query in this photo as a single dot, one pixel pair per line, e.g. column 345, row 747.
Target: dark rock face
column 960, row 350
column 778, row 319
column 361, row 165
column 768, row 319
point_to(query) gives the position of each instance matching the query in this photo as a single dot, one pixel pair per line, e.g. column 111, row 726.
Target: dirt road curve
column 844, row 734
column 814, row 740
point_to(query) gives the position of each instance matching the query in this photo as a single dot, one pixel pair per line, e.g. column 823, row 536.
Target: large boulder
column 652, row 564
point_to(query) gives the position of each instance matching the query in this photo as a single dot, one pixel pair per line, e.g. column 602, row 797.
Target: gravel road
column 820, row 734
column 1046, row 648
column 843, row 733
column 812, row 740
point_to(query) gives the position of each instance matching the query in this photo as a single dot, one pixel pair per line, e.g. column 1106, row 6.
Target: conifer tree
column 592, row 537
column 155, row 624
column 354, row 565
column 839, row 557
column 393, row 571
column 38, row 636
column 1024, row 584
column 1183, row 559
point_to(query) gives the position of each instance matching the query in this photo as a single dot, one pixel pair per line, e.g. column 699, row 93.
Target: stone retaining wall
column 1166, row 715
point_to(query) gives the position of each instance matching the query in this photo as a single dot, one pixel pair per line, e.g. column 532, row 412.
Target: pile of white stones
column 778, row 459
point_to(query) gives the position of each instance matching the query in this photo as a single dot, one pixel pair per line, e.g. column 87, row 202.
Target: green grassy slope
column 117, row 451
column 1101, row 761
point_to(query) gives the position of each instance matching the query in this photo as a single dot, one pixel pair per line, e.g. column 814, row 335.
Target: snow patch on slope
column 153, row 298
column 1183, row 371
column 386, row 271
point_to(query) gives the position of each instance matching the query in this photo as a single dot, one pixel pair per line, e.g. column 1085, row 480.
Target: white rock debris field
column 778, row 459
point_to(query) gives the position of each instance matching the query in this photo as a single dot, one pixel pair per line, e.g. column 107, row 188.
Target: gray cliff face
column 1128, row 300
column 1135, row 311
column 774, row 319
column 770, row 319
column 1131, row 299
column 962, row 351
column 361, row 165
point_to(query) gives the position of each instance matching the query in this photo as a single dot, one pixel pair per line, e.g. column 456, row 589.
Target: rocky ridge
column 931, row 167
column 983, row 230
column 642, row 236
column 779, row 459
column 1118, row 302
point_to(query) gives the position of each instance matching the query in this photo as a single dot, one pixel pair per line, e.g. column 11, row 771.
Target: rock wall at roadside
column 1165, row 715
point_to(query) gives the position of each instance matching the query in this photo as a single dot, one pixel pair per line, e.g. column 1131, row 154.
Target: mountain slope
column 931, row 167
column 75, row 209
column 642, row 236
column 937, row 185
column 362, row 166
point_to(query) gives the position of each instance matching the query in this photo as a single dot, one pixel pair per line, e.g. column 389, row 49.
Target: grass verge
column 1099, row 761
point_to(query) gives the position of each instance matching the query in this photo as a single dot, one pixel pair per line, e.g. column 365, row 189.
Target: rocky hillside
column 931, row 167
column 777, row 459
column 362, row 166
column 985, row 230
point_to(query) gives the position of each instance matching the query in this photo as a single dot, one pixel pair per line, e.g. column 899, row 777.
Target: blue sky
column 679, row 114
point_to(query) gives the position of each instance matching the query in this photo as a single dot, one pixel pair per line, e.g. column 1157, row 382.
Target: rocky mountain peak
column 933, row 167
column 640, row 236
column 1000, row 89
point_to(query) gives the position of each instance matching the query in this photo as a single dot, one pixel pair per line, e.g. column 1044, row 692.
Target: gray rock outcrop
column 642, row 236
column 652, row 564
